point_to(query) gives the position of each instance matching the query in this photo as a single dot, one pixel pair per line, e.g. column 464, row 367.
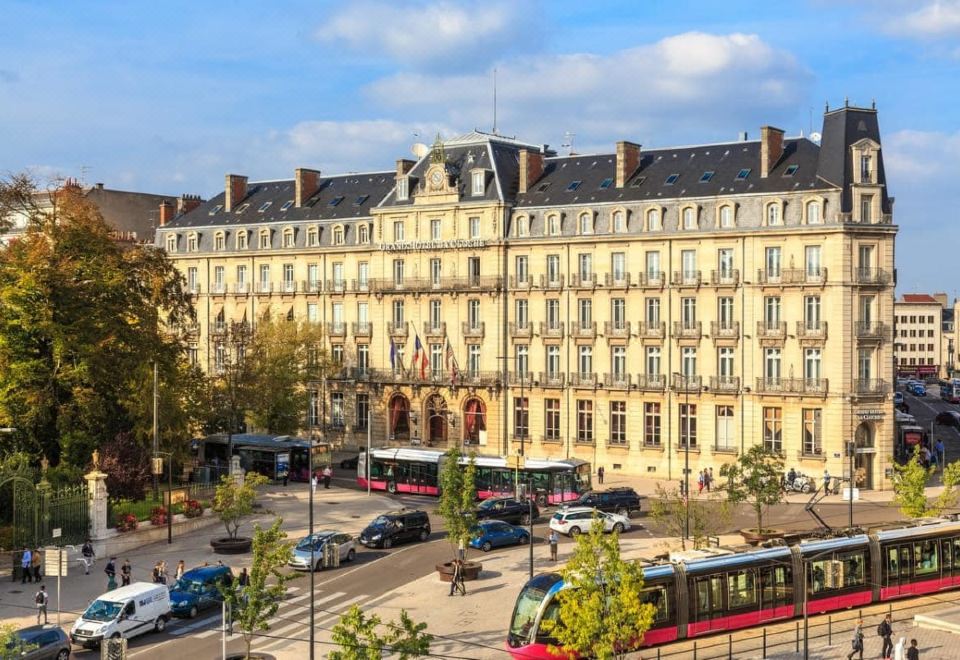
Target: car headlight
column 375, row 537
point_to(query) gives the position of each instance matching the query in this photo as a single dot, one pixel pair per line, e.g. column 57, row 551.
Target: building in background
column 925, row 341
column 635, row 309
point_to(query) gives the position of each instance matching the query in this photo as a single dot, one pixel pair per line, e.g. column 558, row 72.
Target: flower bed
column 192, row 509
column 127, row 522
column 158, row 515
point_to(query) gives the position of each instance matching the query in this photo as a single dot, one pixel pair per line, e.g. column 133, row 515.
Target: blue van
column 197, row 590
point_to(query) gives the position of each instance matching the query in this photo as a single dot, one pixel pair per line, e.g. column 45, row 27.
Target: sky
column 167, row 97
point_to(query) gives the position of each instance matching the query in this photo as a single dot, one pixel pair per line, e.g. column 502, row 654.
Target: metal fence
column 64, row 509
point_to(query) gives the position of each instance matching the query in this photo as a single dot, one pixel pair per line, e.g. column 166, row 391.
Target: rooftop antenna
column 83, row 175
column 494, row 100
column 568, row 142
column 811, row 119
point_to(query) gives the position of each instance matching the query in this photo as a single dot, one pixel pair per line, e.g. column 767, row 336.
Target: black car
column 395, row 527
column 623, row 501
column 508, row 510
column 949, row 418
column 349, row 463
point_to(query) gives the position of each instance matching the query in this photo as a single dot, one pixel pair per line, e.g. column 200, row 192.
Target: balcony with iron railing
column 793, row 386
column 652, row 279
column 652, row 330
column 398, row 329
column 583, row 330
column 311, row 286
column 263, row 287
column 727, row 384
column 438, row 329
column 725, row 277
column 194, row 289
column 218, row 289
column 555, row 283
column 551, row 379
column 521, row 378
column 478, row 378
column 521, row 283
column 617, row 381
column 336, row 286
column 772, row 330
column 399, row 285
column 473, row 330
column 336, row 329
column 613, row 330
column 518, row 330
column 471, row 283
column 241, row 288
column 812, row 330
column 583, row 280
column 687, row 329
column 288, row 286
column 725, row 329
column 583, row 379
column 551, row 330
column 870, row 387
column 651, row 382
column 686, row 278
column 871, row 276
column 360, row 286
column 792, row 276
column 617, row 280
column 686, row 383
column 870, row 330
column 362, row 328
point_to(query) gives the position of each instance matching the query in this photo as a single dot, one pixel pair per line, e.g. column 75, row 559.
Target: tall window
column 473, row 270
column 585, row 312
column 192, row 278
column 287, row 277
column 551, row 419
column 771, row 312
column 618, row 361
column 521, row 417
column 865, row 259
column 242, row 277
column 436, row 359
column 473, row 313
column 336, row 409
column 773, row 429
column 218, row 273
column 652, row 265
column 771, row 364
column 773, row 263
column 265, row 239
column 479, row 181
column 363, row 411
column 725, row 312
column 522, row 269
column 866, row 168
column 264, row 277
column 192, row 243
column 725, row 263
column 773, row 215
column 313, row 409
column 688, row 425
column 688, row 260
column 397, row 312
column 585, row 263
column 725, row 363
column 651, row 424
column 812, row 429
column 688, row 362
column 652, row 311
column 363, row 275
column 585, row 360
column 618, row 266
column 398, row 270
column 618, row 313
column 474, row 228
column 811, row 364
column 522, row 365
column 522, row 313
column 585, row 420
column 553, row 268
column 811, row 255
column 811, row 312
column 363, row 358
column 403, row 189
column 553, row 313
column 553, row 361
column 865, row 364
column 618, row 422
column 688, row 312
column 725, row 439
column 435, row 229
column 866, row 310
column 653, row 361
column 313, row 312
column 397, row 231
column 436, row 271
column 436, row 313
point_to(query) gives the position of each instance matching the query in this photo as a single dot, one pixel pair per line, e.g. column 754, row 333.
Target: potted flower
column 158, row 515
column 233, row 503
column 192, row 509
column 127, row 522
column 458, row 493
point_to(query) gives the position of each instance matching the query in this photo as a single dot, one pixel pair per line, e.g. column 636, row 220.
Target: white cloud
column 917, row 157
column 436, row 35
column 645, row 91
column 940, row 18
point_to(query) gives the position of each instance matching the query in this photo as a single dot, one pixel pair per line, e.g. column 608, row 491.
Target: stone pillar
column 236, row 472
column 97, row 507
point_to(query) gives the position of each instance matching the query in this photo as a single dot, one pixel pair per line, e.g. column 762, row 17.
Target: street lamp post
column 680, row 378
column 157, row 471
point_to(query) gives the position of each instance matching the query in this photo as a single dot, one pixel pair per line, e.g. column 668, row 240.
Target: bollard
column 658, row 653
column 830, row 630
column 694, row 649
column 798, row 637
column 764, row 643
column 729, row 647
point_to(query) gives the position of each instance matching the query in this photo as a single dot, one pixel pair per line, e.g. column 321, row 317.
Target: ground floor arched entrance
column 399, row 412
column 474, row 422
column 436, row 415
column 866, row 454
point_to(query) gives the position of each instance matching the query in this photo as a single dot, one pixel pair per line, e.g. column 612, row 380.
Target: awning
column 240, row 314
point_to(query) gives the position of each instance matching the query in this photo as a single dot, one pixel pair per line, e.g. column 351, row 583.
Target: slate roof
column 357, row 194
column 842, row 128
column 649, row 183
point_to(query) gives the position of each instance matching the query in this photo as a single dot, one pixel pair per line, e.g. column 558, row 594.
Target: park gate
column 37, row 510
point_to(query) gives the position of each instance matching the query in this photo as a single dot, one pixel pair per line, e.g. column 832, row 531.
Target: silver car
column 575, row 520
column 342, row 543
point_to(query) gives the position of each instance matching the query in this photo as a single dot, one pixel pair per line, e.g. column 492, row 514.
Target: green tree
column 81, row 320
column 360, row 638
column 253, row 605
column 11, row 647
column 708, row 516
column 602, row 613
column 755, row 479
column 233, row 502
column 458, row 494
column 910, row 483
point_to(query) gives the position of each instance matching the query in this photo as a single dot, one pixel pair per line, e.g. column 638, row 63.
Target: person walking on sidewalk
column 327, row 475
column 181, row 569
column 456, row 581
column 600, row 475
column 125, row 572
column 163, row 572
column 553, row 540
column 913, row 653
column 857, row 641
column 885, row 630
column 26, row 562
column 700, row 482
column 706, row 480
column 41, row 599
column 941, row 455
column 111, row 570
column 88, row 556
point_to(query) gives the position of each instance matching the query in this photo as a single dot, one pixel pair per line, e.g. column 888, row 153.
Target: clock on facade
column 436, row 178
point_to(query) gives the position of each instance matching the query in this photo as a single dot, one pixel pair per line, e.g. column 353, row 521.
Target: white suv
column 575, row 520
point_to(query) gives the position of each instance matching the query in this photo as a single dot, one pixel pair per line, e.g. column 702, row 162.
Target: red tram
column 725, row 592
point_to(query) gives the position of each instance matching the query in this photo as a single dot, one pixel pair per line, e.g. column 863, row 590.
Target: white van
column 125, row 612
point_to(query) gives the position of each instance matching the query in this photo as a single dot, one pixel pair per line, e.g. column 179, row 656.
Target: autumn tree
column 126, row 465
column 362, row 637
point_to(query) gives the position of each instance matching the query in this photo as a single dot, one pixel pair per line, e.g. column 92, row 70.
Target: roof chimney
column 306, row 184
column 743, row 136
column 404, row 166
column 236, row 190
column 771, row 148
column 628, row 160
column 186, row 203
column 531, row 169
column 166, row 213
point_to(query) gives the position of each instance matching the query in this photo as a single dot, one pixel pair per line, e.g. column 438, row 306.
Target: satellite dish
column 815, row 137
column 420, row 150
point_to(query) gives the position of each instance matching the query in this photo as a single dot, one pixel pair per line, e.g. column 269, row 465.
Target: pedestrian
column 181, row 569
column 163, row 572
column 857, row 641
column 26, row 562
column 313, row 483
column 941, row 452
column 156, row 573
column 554, row 540
column 244, row 578
column 600, row 475
column 88, row 556
column 37, row 564
column 683, row 489
column 826, row 480
column 711, row 476
column 125, row 572
column 41, row 599
column 461, row 551
column 327, row 475
column 885, row 630
column 913, row 653
column 706, row 480
column 111, row 570
column 456, row 581
column 700, row 482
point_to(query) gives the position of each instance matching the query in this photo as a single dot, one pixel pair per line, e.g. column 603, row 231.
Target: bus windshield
column 525, row 611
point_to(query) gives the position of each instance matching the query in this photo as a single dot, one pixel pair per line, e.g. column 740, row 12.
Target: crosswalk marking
column 193, row 625
column 285, row 612
column 322, row 621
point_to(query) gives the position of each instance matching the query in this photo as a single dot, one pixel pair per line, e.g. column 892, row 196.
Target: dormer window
column 774, row 217
column 313, row 237
column 866, row 168
column 193, row 242
column 363, row 233
column 619, row 222
column 288, row 237
column 689, row 218
column 866, row 208
column 586, row 223
column 523, row 226
column 654, row 220
column 726, row 216
column 479, row 182
column 403, row 189
column 814, row 213
column 264, row 239
column 171, row 242
column 553, row 225
column 338, row 235
column 242, row 239
column 219, row 241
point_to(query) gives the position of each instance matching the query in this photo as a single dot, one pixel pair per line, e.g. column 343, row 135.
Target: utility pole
column 156, row 429
column 851, row 450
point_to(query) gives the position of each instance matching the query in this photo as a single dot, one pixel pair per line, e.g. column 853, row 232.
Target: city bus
column 273, row 456
column 950, row 390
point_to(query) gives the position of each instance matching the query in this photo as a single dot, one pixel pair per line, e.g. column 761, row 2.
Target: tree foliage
column 755, row 479
column 82, row 319
column 360, row 637
column 11, row 646
column 708, row 516
column 602, row 614
column 910, row 483
column 253, row 605
column 458, row 494
column 127, row 466
column 233, row 502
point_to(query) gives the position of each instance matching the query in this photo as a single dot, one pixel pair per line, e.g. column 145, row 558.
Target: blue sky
column 169, row 96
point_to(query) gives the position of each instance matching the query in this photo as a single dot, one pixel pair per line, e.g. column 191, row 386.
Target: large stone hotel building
column 622, row 308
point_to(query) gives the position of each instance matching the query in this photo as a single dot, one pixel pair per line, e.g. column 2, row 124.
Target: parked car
column 897, row 398
column 918, row 389
column 350, row 463
column 949, row 418
column 46, row 642
column 507, row 509
column 319, row 541
column 126, row 612
column 396, row 527
column 490, row 534
column 623, row 501
column 198, row 589
column 573, row 521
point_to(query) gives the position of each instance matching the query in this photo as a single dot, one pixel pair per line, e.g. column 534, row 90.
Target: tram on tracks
column 722, row 590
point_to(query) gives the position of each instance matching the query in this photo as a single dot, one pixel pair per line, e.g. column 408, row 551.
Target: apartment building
column 919, row 335
column 636, row 309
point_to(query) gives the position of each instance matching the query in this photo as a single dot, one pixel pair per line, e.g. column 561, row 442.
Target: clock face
column 436, row 178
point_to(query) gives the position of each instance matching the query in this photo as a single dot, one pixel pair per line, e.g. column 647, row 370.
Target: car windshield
column 102, row 610
column 488, row 504
column 188, row 586
column 317, row 542
column 525, row 611
column 558, row 516
column 382, row 521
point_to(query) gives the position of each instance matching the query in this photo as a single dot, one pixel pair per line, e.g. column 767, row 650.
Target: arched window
column 726, row 216
column 523, row 226
column 338, row 235
column 363, row 234
column 773, row 215
column 264, row 239
column 586, row 223
column 553, row 225
column 288, row 237
column 619, row 222
column 193, row 242
column 242, row 238
column 313, row 237
column 654, row 221
column 474, row 421
column 814, row 213
column 399, row 410
column 219, row 241
column 689, row 218
column 171, row 242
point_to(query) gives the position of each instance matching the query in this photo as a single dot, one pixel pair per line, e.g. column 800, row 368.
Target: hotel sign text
column 411, row 246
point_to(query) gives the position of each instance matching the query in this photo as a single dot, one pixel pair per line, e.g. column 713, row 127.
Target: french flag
column 420, row 357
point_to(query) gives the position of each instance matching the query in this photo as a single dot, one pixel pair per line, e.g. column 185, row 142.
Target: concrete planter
column 471, row 571
column 755, row 537
column 230, row 546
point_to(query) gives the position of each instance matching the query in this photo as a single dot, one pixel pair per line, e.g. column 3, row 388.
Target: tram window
column 819, row 571
column 742, row 589
column 703, row 595
column 905, row 563
column 893, row 569
column 947, row 550
column 956, row 552
column 376, row 470
column 925, row 555
column 784, row 580
column 657, row 596
column 551, row 615
column 853, row 568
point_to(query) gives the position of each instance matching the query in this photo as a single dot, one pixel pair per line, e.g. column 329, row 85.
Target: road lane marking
column 193, row 625
column 282, row 613
column 319, row 624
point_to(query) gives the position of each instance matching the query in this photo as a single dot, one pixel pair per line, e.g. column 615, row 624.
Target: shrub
column 192, row 509
column 158, row 515
column 127, row 523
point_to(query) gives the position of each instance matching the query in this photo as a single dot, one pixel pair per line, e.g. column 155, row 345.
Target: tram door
column 776, row 590
column 708, row 603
